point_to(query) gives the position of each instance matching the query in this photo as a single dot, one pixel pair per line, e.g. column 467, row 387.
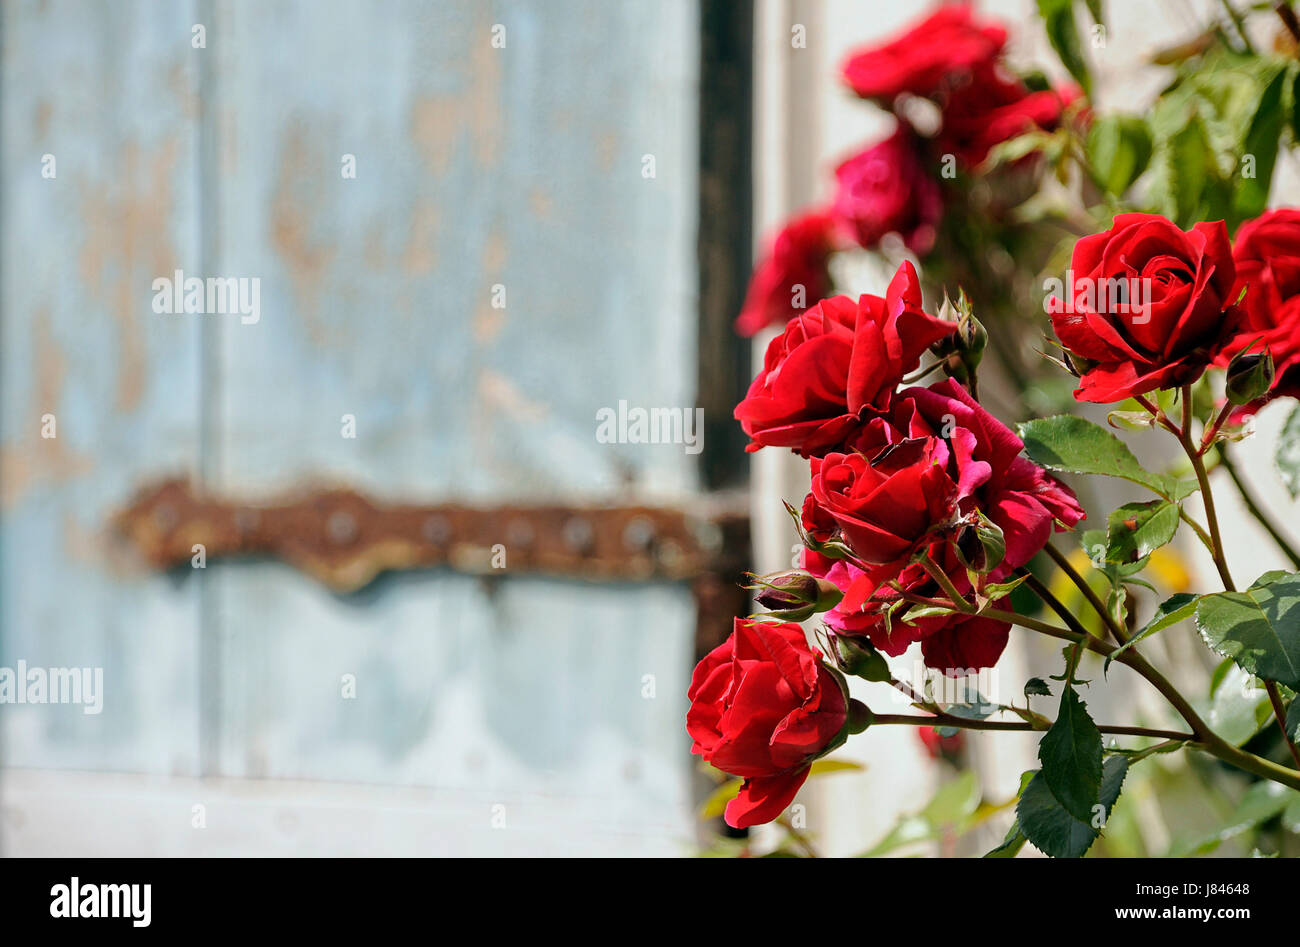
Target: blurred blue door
column 471, row 226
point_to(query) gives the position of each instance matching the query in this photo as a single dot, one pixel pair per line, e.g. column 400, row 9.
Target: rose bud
column 795, row 596
column 857, row 657
column 1250, row 376
column 981, row 546
column 763, row 707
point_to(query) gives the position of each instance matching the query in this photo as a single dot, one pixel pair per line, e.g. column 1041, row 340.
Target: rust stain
column 34, row 459
column 439, row 120
column 606, row 150
column 126, row 246
column 181, row 82
column 307, row 260
column 41, row 119
column 498, row 392
column 420, row 256
column 540, row 203
column 488, row 320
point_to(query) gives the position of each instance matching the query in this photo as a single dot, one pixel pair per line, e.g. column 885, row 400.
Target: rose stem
column 1248, row 498
column 945, row 583
column 966, row 723
column 1177, row 432
column 1207, row 496
column 1063, row 563
column 1198, row 464
column 1206, row 739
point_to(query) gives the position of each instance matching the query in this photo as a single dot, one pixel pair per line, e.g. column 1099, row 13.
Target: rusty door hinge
column 345, row 539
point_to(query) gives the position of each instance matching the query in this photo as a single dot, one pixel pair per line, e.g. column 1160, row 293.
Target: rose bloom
column 763, row 707
column 992, row 108
column 886, row 189
column 947, row 43
column 1267, row 257
column 834, row 364
column 990, row 475
column 940, row 747
column 1165, row 341
column 1024, row 500
column 885, row 507
column 793, row 274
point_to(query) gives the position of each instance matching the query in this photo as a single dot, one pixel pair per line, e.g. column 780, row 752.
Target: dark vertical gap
column 723, row 247
column 725, row 230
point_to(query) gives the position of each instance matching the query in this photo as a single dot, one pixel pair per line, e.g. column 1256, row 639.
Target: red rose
column 941, row 747
column 886, row 189
column 1024, row 500
column 763, row 707
column 1267, row 257
column 792, row 276
column 836, row 362
column 992, row 108
column 1150, row 306
column 947, row 43
column 884, row 507
column 983, row 460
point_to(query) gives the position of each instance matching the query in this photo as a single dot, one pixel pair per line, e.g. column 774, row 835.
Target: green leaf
column 1036, row 686
column 917, row 612
column 1263, row 801
column 1237, row 709
column 1288, row 453
column 1071, row 754
column 1291, row 815
column 1170, row 612
column 1258, row 628
column 1011, row 845
column 1063, row 33
column 823, row 767
column 1119, row 149
column 1260, row 148
column 954, row 801
column 716, row 804
column 1051, row 829
column 1073, row 445
column 1190, row 163
column 1293, row 720
column 1135, row 530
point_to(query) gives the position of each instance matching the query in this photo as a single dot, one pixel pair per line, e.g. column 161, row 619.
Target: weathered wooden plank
column 479, row 170
column 108, row 93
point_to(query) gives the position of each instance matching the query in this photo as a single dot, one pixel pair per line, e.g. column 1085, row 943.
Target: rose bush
column 931, row 527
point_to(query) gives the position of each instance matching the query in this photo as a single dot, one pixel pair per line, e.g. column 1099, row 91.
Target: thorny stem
column 1063, row 563
column 1205, row 738
column 945, row 583
column 967, row 723
column 1207, row 497
column 918, row 375
column 1163, row 420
